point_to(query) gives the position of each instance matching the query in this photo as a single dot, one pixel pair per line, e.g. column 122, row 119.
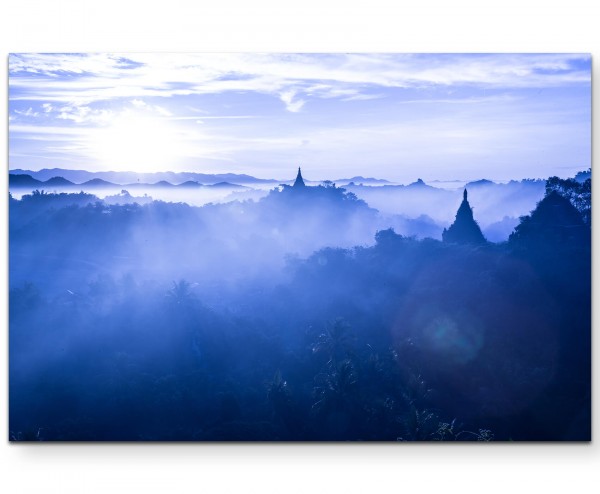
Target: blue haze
column 300, row 310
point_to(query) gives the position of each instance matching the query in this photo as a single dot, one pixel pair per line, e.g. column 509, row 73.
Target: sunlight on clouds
column 136, row 142
column 450, row 114
column 27, row 113
column 288, row 98
column 105, row 77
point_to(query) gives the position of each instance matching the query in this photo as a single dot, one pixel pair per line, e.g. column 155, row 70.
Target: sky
column 393, row 116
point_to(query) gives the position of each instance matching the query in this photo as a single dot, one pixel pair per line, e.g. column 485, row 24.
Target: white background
column 300, row 26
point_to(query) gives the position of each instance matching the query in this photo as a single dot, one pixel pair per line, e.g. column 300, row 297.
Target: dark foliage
column 413, row 340
column 577, row 190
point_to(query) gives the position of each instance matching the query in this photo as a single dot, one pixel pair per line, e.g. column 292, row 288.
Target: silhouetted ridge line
column 59, row 181
column 22, row 180
column 418, row 183
column 127, row 177
column 480, row 183
column 98, row 182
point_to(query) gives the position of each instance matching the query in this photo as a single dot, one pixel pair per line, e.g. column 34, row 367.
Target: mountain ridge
column 19, row 181
column 127, row 178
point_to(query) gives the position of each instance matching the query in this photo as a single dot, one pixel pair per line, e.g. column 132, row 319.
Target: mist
column 301, row 313
column 417, row 209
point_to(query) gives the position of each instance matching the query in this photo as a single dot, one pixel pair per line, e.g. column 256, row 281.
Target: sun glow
column 137, row 142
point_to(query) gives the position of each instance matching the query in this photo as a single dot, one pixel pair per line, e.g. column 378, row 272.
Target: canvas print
column 299, row 247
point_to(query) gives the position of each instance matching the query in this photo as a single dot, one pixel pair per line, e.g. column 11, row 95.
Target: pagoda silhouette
column 465, row 229
column 299, row 180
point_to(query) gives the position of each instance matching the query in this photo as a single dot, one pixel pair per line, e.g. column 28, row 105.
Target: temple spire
column 299, row 181
column 465, row 229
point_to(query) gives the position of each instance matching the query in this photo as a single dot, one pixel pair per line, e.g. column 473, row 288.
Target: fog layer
column 300, row 316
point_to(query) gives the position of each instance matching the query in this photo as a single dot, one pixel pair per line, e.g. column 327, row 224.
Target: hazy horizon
column 393, row 116
column 456, row 180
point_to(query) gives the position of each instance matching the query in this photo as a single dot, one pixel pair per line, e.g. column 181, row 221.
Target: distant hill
column 59, row 182
column 190, row 183
column 362, row 180
column 75, row 176
column 133, row 178
column 448, row 184
column 479, row 183
column 98, row 182
column 22, row 180
column 228, row 185
column 420, row 184
column 25, row 181
column 125, row 178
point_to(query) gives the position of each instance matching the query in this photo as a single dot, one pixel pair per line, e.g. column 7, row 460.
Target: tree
column 555, row 221
column 578, row 193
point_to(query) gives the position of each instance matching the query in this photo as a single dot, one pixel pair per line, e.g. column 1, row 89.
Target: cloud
column 363, row 97
column 87, row 78
column 288, row 98
column 73, row 95
column 84, row 114
column 55, row 65
column 27, row 113
column 162, row 111
column 500, row 98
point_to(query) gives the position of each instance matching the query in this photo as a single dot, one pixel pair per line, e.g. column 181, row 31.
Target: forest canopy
column 275, row 320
